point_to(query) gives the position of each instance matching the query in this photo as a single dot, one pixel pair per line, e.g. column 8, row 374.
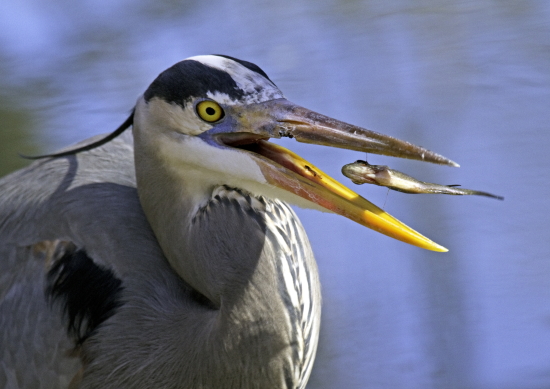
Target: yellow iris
column 209, row 111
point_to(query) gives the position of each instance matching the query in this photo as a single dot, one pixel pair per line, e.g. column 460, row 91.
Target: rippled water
column 468, row 79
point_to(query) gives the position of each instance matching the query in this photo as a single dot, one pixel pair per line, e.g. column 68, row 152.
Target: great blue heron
column 203, row 276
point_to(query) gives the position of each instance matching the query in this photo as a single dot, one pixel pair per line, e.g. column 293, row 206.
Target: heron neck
column 248, row 255
column 204, row 237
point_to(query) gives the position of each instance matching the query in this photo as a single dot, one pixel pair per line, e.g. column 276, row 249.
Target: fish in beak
column 361, row 172
column 257, row 123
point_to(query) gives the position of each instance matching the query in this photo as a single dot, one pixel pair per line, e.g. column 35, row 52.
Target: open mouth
column 284, row 169
column 240, row 140
column 261, row 146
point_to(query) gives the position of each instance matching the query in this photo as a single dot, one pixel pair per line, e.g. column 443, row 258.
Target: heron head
column 214, row 115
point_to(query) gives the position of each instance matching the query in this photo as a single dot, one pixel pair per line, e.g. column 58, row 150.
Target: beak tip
column 421, row 241
column 432, row 246
column 441, row 249
column 439, row 159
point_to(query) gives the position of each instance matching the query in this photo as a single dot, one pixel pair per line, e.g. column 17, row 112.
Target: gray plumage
column 173, row 340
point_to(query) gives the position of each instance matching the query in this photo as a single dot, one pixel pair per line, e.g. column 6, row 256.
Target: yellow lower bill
column 309, row 182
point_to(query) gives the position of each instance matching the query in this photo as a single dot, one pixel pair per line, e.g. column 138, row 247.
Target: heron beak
column 284, row 169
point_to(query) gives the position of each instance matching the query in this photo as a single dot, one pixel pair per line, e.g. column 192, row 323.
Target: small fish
column 361, row 172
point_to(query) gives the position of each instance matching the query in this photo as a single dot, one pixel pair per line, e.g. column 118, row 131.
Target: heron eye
column 209, row 111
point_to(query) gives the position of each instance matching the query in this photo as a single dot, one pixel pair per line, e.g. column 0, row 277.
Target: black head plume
column 127, row 123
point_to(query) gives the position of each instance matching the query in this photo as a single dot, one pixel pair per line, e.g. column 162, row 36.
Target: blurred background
column 468, row 79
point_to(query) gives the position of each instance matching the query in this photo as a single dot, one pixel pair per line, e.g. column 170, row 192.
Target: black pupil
column 210, row 111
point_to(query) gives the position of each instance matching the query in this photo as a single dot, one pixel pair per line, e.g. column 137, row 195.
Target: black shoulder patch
column 190, row 78
column 248, row 65
column 88, row 293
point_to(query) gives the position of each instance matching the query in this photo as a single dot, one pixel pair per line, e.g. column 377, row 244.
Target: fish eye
column 209, row 111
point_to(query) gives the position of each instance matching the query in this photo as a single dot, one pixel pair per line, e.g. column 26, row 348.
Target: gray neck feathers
column 251, row 258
